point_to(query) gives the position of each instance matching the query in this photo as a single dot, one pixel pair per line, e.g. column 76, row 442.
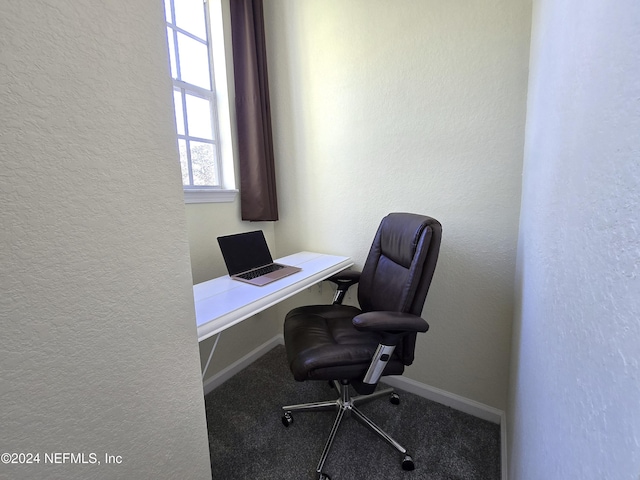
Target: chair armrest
column 391, row 326
column 345, row 276
column 343, row 280
column 395, row 323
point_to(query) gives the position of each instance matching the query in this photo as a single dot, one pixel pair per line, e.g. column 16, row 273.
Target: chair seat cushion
column 323, row 344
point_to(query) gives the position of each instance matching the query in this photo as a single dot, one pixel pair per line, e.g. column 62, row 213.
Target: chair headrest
column 399, row 230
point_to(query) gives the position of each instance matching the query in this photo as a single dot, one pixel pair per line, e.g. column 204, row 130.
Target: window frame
column 218, row 49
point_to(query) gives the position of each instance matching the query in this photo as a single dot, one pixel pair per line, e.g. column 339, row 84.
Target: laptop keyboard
column 260, row 271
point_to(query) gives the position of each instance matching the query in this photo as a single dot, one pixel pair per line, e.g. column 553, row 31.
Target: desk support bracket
column 213, row 349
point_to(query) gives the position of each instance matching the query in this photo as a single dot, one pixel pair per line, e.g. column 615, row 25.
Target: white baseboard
column 225, row 374
column 452, row 400
column 503, row 448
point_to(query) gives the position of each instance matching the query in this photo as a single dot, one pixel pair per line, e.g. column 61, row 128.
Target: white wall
column 98, row 346
column 575, row 387
column 416, row 106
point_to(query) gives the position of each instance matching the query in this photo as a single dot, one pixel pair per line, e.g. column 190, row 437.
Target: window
column 199, row 132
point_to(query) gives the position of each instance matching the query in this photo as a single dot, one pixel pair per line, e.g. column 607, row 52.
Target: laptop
column 248, row 259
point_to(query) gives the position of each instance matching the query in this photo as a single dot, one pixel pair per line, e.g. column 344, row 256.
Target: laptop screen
column 244, row 251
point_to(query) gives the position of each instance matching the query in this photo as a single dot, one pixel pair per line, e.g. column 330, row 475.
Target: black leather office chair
column 349, row 346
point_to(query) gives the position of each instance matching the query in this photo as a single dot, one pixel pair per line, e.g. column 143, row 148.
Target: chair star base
column 347, row 406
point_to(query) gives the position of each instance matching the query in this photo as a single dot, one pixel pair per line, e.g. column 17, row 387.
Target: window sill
column 204, row 195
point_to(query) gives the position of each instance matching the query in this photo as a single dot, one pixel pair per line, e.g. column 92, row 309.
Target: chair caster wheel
column 287, row 419
column 323, row 476
column 395, row 398
column 407, row 463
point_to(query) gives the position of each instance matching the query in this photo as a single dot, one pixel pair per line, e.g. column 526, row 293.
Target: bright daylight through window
column 188, row 34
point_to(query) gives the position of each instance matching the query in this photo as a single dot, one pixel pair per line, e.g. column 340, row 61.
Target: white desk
column 221, row 302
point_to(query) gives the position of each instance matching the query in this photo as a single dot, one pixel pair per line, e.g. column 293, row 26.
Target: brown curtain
column 257, row 165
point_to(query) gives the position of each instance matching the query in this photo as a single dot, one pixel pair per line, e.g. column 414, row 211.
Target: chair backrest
column 399, row 268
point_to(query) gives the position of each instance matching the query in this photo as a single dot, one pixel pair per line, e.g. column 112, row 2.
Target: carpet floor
column 248, row 441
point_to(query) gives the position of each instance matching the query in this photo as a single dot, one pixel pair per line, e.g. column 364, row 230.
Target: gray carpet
column 248, row 441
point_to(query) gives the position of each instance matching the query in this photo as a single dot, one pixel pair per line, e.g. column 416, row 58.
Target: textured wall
column 575, row 388
column 410, row 106
column 98, row 346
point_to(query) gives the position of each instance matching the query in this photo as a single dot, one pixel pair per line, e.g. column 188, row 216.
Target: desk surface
column 222, row 302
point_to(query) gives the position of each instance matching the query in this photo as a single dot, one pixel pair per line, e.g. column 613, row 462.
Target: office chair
column 353, row 346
